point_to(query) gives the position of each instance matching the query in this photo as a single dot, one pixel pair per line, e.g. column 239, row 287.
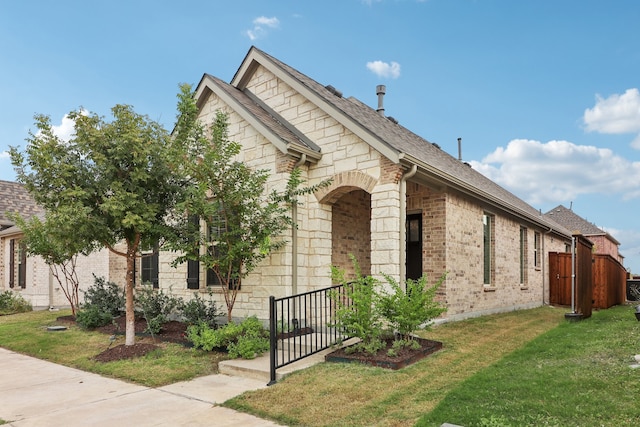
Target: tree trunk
column 130, row 325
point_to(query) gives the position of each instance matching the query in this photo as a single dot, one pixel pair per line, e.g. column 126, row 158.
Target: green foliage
column 356, row 313
column 106, row 297
column 243, row 221
column 198, row 310
column 92, row 316
column 410, row 309
column 156, row 306
column 113, row 181
column 247, row 339
column 12, row 303
column 54, row 241
column 363, row 310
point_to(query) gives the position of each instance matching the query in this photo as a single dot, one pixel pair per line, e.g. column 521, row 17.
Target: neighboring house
column 603, row 242
column 30, row 276
column 397, row 202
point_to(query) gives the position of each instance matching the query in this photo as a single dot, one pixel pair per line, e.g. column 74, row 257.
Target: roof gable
column 15, row 198
column 574, row 222
column 273, row 127
column 390, row 139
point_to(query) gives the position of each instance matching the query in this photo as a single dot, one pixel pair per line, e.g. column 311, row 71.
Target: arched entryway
column 351, row 232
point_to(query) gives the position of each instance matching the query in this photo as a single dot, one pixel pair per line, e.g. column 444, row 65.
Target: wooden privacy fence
column 609, row 279
column 560, row 280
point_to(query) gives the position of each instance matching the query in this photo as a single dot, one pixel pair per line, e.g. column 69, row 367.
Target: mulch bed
column 174, row 332
column 405, row 356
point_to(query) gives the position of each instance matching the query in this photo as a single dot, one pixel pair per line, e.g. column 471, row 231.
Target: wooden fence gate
column 560, row 277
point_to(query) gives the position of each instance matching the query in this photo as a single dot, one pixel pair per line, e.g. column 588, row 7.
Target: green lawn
column 516, row 369
column 526, row 368
column 27, row 333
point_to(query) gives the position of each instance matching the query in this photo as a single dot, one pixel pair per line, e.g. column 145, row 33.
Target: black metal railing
column 302, row 325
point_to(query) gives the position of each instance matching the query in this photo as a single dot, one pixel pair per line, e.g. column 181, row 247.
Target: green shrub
column 247, row 339
column 356, row 310
column 408, row 310
column 156, row 306
column 198, row 310
column 105, row 296
column 92, row 316
column 12, row 303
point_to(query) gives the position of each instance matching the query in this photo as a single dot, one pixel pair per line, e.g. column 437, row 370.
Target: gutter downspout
column 403, row 220
column 50, row 289
column 294, row 236
column 543, row 260
column 573, row 274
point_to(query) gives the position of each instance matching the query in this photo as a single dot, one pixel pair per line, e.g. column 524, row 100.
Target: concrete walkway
column 34, row 392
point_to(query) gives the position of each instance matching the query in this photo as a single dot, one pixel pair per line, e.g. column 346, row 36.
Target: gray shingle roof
column 264, row 114
column 402, row 140
column 573, row 222
column 14, row 198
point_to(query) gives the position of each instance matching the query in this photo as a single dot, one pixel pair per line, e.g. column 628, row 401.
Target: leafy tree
column 243, row 223
column 112, row 182
column 53, row 240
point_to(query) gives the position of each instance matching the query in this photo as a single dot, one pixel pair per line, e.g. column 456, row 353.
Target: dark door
column 414, row 246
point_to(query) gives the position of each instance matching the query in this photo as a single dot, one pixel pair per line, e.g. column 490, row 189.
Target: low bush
column 247, row 339
column 92, row 316
column 12, row 303
column 156, row 306
column 106, row 297
column 198, row 310
column 410, row 309
column 356, row 313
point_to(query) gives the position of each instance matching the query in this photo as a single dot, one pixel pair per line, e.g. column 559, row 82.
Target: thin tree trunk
column 130, row 325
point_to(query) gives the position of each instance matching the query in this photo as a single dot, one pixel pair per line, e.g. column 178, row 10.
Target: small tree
column 53, row 240
column 242, row 221
column 112, row 180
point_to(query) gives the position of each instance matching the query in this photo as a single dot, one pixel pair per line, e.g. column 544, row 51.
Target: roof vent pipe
column 460, row 149
column 380, row 91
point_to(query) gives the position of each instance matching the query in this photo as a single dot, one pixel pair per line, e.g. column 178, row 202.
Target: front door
column 414, row 246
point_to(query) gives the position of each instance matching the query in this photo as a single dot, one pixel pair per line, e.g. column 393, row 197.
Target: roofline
column 256, row 57
column 436, row 175
column 209, row 85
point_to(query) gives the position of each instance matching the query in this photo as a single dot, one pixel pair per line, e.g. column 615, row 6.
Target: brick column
column 385, row 230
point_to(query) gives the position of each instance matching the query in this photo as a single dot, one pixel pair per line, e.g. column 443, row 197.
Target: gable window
column 488, row 224
column 523, row 256
column 17, row 264
column 536, row 250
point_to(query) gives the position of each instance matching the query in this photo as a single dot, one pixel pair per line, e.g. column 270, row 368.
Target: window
column 488, row 222
column 536, row 250
column 149, row 265
column 193, row 266
column 523, row 256
column 17, row 264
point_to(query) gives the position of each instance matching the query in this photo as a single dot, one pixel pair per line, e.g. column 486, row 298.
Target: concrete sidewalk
column 34, row 392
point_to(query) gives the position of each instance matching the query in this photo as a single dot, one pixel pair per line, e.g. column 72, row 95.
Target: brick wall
column 351, row 232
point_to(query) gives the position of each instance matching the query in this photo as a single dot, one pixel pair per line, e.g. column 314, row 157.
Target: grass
column 522, row 368
column 27, row 333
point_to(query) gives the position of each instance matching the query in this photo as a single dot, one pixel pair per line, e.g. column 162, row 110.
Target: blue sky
column 543, row 93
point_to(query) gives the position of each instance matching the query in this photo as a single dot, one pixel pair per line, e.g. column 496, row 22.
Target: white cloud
column 617, row 114
column 4, row 154
column 558, row 171
column 259, row 25
column 65, row 130
column 384, row 69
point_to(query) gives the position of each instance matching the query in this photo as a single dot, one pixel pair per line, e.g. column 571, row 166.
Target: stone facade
column 360, row 213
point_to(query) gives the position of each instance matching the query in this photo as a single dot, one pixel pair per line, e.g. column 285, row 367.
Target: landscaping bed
column 173, row 331
column 404, row 356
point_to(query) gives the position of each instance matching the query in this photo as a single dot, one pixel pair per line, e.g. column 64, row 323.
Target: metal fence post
column 273, row 339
